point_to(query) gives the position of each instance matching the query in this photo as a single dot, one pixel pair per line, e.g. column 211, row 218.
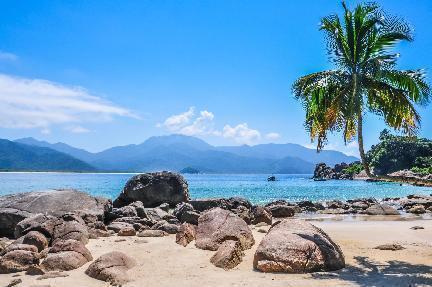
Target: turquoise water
column 254, row 187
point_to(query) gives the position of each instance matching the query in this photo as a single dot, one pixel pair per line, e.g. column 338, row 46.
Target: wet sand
column 161, row 262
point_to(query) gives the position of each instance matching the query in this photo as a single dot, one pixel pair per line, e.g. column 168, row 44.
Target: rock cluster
column 322, row 171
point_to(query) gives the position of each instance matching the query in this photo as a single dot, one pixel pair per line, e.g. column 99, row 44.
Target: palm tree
column 365, row 78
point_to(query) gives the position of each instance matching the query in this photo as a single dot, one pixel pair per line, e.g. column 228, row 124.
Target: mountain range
column 173, row 152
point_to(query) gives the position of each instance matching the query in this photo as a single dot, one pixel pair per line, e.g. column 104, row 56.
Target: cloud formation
column 202, row 124
column 34, row 103
column 5, row 56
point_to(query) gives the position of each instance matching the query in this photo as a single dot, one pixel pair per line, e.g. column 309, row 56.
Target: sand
column 161, row 262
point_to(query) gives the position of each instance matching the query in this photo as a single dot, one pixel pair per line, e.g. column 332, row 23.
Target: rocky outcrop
column 66, row 255
column 17, row 261
column 218, row 225
column 186, row 213
column 322, row 171
column 279, row 210
column 185, row 234
column 296, row 246
column 70, row 226
column 228, row 255
column 153, row 189
column 381, row 209
column 111, row 267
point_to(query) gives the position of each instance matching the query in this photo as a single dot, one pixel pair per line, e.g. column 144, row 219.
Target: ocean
column 254, row 187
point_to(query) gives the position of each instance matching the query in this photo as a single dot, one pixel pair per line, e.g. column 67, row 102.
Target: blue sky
column 96, row 74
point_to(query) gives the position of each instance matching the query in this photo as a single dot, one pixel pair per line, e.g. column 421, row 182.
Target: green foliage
column 360, row 44
column 395, row 153
column 422, row 171
column 353, row 169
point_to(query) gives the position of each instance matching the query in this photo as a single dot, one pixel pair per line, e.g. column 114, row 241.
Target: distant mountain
column 279, row 151
column 177, row 152
column 21, row 157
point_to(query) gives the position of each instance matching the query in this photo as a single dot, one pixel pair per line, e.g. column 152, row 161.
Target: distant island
column 181, row 153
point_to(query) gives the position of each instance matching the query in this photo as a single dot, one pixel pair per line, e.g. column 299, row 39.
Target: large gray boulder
column 16, row 207
column 218, row 225
column 66, row 255
column 296, row 246
column 153, row 189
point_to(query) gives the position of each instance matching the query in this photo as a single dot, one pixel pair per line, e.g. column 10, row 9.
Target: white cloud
column 176, row 122
column 5, row 56
column 241, row 133
column 273, row 136
column 77, row 129
column 202, row 125
column 35, row 103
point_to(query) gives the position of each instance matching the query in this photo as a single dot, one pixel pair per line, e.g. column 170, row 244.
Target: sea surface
column 255, row 187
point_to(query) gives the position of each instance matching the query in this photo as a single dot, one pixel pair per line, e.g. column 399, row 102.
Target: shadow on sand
column 393, row 273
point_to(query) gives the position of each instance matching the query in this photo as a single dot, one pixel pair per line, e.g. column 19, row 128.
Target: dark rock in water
column 381, row 209
column 153, row 189
column 217, row 225
column 261, row 214
column 228, row 255
column 185, row 234
column 17, row 261
column 282, row 210
column 296, row 246
column 66, row 255
column 111, row 267
column 392, row 247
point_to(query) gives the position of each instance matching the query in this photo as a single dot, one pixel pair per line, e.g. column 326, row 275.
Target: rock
column 381, row 209
column 38, row 222
column 208, row 203
column 185, row 234
column 157, row 214
column 66, row 255
column 261, row 214
column 70, row 226
column 35, row 270
column 117, row 226
column 125, row 211
column 296, row 246
column 19, row 246
column 236, row 202
column 127, row 231
column 17, row 261
column 9, row 218
column 228, row 255
column 164, row 206
column 336, row 204
column 217, row 225
column 14, row 282
column 392, row 247
column 186, row 213
column 167, row 227
column 153, row 189
column 244, row 213
column 417, row 209
column 416, row 227
column 53, row 202
column 111, row 267
column 152, row 233
column 51, row 275
column 282, row 210
column 262, row 230
column 139, row 208
column 37, row 239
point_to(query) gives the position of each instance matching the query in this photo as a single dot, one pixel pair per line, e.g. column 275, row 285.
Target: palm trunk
column 361, row 146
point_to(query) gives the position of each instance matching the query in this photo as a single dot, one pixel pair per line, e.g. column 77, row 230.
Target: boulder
column 17, row 261
column 228, row 255
column 66, row 255
column 18, row 245
column 282, row 210
column 186, row 213
column 381, row 209
column 38, row 222
column 152, row 233
column 37, row 239
column 153, row 189
column 261, row 214
column 117, row 226
column 56, row 203
column 391, row 247
column 209, row 203
column 111, row 267
column 157, row 214
column 217, row 225
column 417, row 209
column 127, row 231
column 185, row 234
column 296, row 246
column 70, row 226
column 9, row 218
column 167, row 227
column 244, row 213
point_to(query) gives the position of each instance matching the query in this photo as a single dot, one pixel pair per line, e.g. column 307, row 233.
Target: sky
column 97, row 74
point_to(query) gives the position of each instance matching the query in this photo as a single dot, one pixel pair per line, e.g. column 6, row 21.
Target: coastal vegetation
column 365, row 78
column 395, row 153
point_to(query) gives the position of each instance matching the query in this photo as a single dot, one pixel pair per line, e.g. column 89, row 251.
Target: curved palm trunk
column 361, row 146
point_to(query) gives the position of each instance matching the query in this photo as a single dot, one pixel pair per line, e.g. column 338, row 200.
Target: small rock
column 186, row 234
column 127, row 231
column 152, row 233
column 261, row 215
column 54, row 274
column 228, row 255
column 14, row 282
column 66, row 255
column 417, row 227
column 282, row 210
column 262, row 230
column 392, row 247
